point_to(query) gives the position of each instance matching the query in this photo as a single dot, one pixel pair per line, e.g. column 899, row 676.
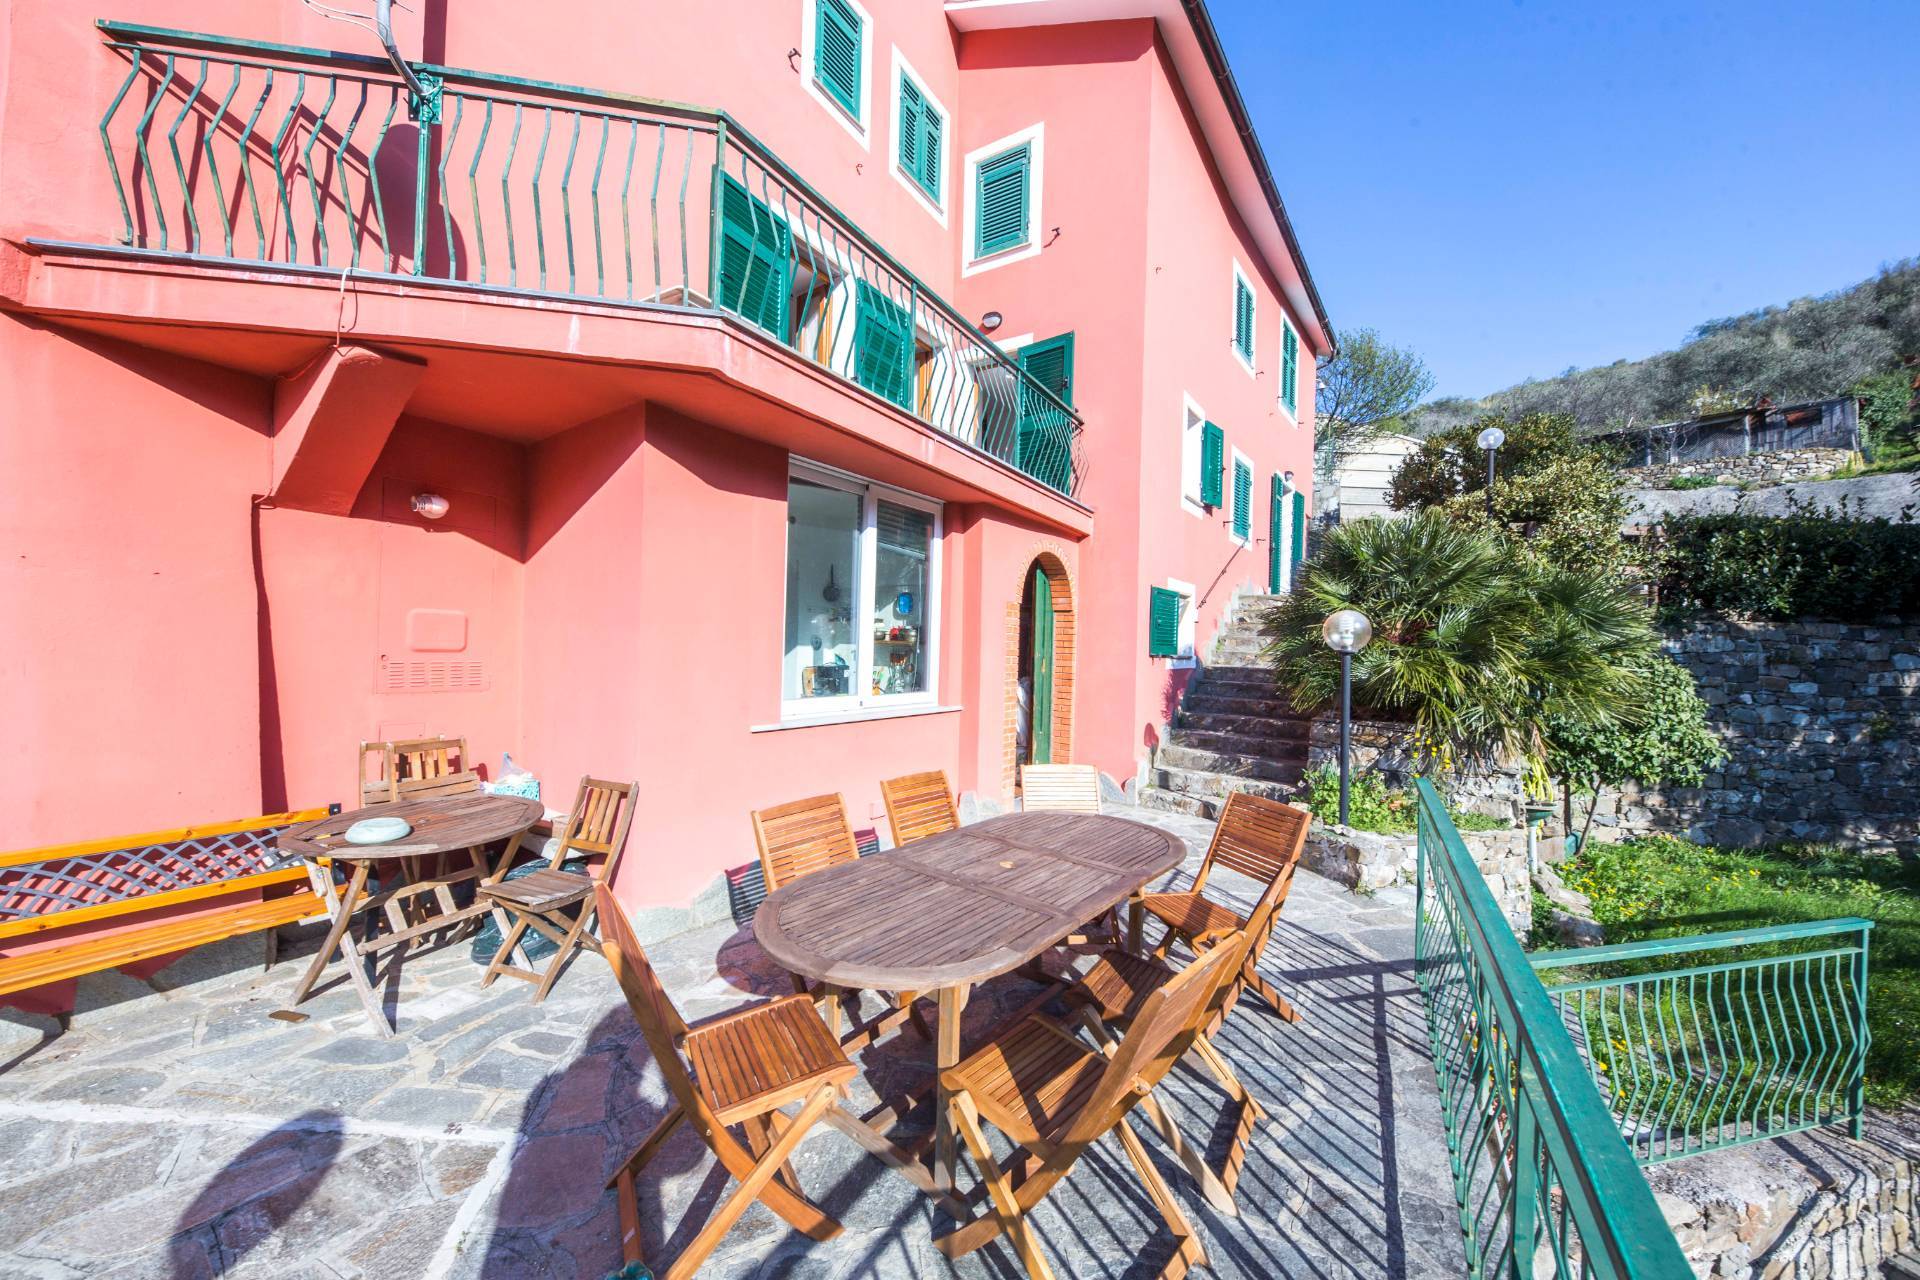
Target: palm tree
column 1474, row 640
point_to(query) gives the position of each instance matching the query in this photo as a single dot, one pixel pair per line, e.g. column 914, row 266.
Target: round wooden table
column 446, row 824
column 952, row 910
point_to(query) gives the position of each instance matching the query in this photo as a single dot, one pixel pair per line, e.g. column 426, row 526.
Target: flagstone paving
column 189, row 1135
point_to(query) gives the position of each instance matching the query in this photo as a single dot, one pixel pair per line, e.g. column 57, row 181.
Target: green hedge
column 1811, row 565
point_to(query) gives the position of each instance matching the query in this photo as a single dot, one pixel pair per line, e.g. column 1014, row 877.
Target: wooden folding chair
column 539, row 900
column 1114, row 992
column 1059, row 788
column 1260, row 839
column 740, row 1069
column 1054, row 1097
column 919, row 805
column 797, row 839
column 415, row 769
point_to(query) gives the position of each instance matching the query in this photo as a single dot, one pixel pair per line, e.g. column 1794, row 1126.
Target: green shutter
column 1045, row 438
column 1000, row 202
column 1275, row 526
column 882, row 345
column 836, row 53
column 756, row 260
column 1289, row 366
column 1299, row 528
column 1242, row 499
column 1213, row 453
column 1242, row 318
column 919, row 138
column 1163, row 622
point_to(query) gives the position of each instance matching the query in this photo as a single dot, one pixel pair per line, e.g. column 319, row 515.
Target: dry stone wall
column 1780, row 467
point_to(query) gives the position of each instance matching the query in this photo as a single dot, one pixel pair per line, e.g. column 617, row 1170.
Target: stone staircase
column 1232, row 732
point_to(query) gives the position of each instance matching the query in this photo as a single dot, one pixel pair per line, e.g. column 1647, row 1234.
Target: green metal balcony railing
column 1765, row 1036
column 1544, row 1183
column 241, row 153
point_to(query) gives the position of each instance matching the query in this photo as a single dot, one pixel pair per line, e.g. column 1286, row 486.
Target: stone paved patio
column 188, row 1134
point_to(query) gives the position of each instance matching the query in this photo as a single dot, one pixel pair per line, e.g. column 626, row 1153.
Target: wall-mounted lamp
column 429, row 506
column 1286, row 478
column 991, row 321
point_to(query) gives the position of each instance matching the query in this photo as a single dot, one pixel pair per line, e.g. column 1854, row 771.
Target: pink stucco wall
column 175, row 649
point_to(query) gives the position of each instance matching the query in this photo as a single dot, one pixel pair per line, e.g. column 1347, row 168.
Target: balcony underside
column 512, row 364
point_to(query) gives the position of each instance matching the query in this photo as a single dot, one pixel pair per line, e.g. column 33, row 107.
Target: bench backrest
column 60, row 885
column 415, row 769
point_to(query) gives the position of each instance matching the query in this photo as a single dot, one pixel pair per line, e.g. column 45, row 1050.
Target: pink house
column 940, row 369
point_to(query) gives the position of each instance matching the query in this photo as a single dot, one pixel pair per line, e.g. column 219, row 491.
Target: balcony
column 246, row 156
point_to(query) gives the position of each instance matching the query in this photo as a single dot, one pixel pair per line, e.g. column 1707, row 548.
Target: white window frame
column 1280, row 364
column 1193, row 425
column 809, row 79
column 1034, row 138
column 1236, row 458
column 1189, row 626
column 1244, row 360
column 861, row 703
column 935, row 204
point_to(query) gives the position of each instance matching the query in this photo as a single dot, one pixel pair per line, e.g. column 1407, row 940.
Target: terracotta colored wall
column 128, row 642
column 385, row 625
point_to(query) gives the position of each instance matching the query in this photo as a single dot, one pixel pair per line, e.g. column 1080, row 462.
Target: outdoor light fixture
column 991, row 321
column 1346, row 632
column 1491, row 439
column 429, row 506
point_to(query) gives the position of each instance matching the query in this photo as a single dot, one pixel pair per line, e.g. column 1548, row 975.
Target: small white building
column 1362, row 478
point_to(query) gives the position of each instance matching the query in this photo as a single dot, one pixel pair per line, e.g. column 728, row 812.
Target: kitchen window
column 862, row 607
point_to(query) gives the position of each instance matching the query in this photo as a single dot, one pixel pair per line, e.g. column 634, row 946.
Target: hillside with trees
column 1808, row 349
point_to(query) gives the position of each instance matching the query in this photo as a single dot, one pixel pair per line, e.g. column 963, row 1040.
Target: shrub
column 1692, row 482
column 1471, row 640
column 1813, row 564
column 1452, row 463
column 1669, row 742
column 1371, row 804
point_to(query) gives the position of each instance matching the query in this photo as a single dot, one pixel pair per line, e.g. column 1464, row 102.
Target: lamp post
column 1491, row 439
column 1346, row 632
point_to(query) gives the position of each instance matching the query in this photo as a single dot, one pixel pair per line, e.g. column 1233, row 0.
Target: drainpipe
column 383, row 20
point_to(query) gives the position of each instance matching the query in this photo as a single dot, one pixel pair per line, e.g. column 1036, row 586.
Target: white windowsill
column 852, row 717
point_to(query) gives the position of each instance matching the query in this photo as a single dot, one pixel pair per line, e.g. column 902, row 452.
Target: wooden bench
column 115, row 882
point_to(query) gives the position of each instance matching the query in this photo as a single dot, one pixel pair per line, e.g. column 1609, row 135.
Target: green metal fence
column 1766, row 1034
column 244, row 152
column 1544, row 1183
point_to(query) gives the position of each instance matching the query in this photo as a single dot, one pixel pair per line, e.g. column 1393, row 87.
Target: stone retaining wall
column 1366, row 861
column 1779, row 467
column 1811, row 1207
column 1821, row 722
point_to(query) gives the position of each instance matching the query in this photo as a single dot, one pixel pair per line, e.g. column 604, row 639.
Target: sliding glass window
column 862, row 607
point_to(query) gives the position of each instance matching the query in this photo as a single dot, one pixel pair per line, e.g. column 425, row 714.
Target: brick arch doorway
column 1040, row 666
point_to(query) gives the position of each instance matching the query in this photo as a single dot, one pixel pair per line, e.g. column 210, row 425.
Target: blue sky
column 1511, row 187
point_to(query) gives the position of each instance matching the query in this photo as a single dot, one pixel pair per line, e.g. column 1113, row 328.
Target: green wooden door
column 1276, row 527
column 1299, row 529
column 1040, row 722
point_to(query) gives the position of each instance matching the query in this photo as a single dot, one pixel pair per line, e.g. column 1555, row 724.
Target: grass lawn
column 1664, row 887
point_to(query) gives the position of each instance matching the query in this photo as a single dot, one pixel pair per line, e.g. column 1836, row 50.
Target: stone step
column 1905, row 1266
column 1244, row 646
column 1226, row 673
column 1283, row 729
column 1239, row 744
column 1175, row 755
column 1223, row 701
column 1177, row 802
column 1199, row 782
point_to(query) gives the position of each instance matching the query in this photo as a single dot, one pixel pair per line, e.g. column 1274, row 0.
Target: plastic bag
column 513, row 781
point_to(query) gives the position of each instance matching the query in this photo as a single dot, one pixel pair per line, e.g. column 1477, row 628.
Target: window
column 1213, row 449
column 863, row 574
column 1289, row 366
column 1193, row 428
column 836, row 53
column 1000, row 186
column 1243, row 315
column 920, row 132
column 1242, row 497
column 1163, row 622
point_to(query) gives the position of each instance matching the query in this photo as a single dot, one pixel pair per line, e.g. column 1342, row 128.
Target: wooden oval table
column 445, row 824
column 952, row 910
